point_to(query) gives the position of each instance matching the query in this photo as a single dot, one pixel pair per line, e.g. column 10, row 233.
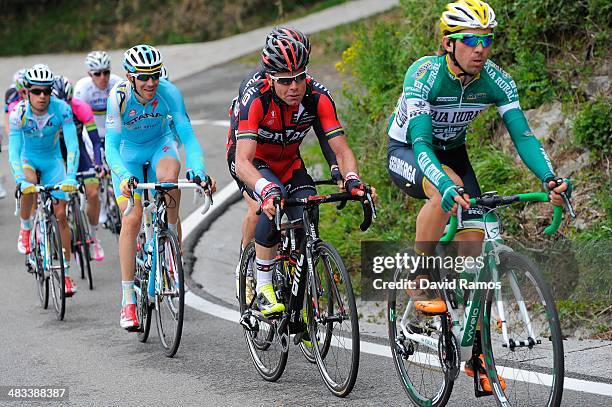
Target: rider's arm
column 84, row 113
column 421, row 136
column 15, row 144
column 70, row 139
column 182, row 125
column 113, row 135
column 250, row 115
column 334, row 133
column 327, row 151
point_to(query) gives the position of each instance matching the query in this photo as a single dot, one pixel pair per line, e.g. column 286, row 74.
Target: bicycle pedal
column 297, row 338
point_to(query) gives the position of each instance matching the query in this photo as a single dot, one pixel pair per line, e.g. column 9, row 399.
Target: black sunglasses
column 144, row 77
column 288, row 80
column 38, row 91
column 105, row 73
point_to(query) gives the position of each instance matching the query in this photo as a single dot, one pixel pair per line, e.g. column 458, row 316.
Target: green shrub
column 592, row 127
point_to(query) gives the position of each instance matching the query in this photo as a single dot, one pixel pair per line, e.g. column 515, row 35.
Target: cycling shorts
column 406, row 174
column 134, row 156
column 52, row 170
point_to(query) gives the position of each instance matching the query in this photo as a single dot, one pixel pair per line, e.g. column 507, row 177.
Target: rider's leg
column 167, row 170
column 130, row 227
column 25, row 211
column 92, row 191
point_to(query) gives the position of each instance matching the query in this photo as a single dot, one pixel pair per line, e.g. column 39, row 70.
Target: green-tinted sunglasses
column 472, row 40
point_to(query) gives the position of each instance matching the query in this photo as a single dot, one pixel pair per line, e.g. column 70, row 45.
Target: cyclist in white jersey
column 93, row 90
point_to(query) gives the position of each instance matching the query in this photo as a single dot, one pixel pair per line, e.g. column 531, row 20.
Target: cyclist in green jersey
column 441, row 96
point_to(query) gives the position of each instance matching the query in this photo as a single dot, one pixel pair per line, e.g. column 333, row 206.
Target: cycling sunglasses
column 98, row 73
column 144, row 77
column 38, row 91
column 472, row 40
column 287, row 80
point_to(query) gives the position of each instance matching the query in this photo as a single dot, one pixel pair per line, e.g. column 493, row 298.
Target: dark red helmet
column 278, row 32
column 284, row 54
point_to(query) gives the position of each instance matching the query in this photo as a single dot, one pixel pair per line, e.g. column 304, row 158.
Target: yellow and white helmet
column 465, row 14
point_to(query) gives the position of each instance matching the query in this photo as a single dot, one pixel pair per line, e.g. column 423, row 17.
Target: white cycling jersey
column 88, row 92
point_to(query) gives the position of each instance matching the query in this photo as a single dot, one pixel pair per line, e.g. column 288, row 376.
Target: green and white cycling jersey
column 435, row 110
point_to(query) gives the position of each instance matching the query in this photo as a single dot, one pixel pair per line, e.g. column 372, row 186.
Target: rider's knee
column 453, row 175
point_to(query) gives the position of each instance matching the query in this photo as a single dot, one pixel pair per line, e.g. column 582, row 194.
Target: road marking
column 219, row 123
column 229, row 314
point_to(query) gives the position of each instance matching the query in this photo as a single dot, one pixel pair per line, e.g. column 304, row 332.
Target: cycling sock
column 92, row 231
column 129, row 295
column 173, row 227
column 26, row 224
column 264, row 272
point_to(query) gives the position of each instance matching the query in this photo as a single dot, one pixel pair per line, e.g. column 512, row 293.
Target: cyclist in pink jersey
column 84, row 118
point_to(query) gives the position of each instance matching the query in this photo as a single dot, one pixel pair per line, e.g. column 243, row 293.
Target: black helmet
column 284, row 54
column 278, row 32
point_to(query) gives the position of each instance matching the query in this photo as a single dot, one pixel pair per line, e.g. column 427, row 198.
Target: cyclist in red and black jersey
column 274, row 116
column 252, row 79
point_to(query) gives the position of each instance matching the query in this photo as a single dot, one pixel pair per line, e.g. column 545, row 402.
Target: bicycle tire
column 42, row 282
column 173, row 280
column 339, row 384
column 263, row 343
column 113, row 212
column 144, row 309
column 521, row 269
column 56, row 268
column 403, row 350
column 83, row 244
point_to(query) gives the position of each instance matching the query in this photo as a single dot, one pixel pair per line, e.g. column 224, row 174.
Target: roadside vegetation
column 556, row 59
column 50, row 26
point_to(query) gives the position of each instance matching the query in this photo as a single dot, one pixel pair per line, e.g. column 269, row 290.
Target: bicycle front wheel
column 333, row 323
column 55, row 267
column 269, row 349
column 144, row 309
column 36, row 262
column 521, row 336
column 170, row 295
column 415, row 339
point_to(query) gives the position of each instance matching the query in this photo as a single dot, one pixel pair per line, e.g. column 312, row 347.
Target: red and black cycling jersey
column 279, row 129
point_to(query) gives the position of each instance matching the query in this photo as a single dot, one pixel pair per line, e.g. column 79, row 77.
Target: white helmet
column 164, row 73
column 97, row 61
column 142, row 59
column 39, row 74
column 465, row 14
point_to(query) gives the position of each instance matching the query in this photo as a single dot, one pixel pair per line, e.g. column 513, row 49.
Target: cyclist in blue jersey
column 34, row 147
column 137, row 131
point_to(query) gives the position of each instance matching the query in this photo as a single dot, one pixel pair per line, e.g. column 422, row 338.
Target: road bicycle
column 159, row 277
column 80, row 229
column 46, row 258
column 314, row 277
column 509, row 316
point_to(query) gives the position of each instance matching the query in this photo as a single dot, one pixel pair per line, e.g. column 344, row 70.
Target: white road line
column 219, row 123
column 229, row 314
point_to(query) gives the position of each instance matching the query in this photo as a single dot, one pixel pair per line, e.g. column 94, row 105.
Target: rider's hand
column 268, row 194
column 451, row 198
column 125, row 189
column 336, row 176
column 69, row 185
column 26, row 187
column 353, row 185
column 556, row 186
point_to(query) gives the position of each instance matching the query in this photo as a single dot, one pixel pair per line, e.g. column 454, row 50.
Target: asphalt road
column 102, row 365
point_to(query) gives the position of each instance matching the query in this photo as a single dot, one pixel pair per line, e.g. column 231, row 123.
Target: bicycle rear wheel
column 333, row 323
column 170, row 296
column 82, row 249
column 268, row 349
column 56, row 267
column 113, row 220
column 521, row 336
column 417, row 363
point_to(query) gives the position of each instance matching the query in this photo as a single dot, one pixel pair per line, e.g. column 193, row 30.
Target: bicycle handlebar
column 495, row 201
column 167, row 186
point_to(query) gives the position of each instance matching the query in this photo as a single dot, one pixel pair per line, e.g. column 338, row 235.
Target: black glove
column 352, row 183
